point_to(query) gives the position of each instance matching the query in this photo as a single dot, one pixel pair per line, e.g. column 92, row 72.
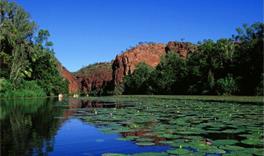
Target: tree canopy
column 226, row 66
column 26, row 53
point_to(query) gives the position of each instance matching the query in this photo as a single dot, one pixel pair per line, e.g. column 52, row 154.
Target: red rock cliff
column 148, row 53
column 126, row 62
column 94, row 77
column 73, row 83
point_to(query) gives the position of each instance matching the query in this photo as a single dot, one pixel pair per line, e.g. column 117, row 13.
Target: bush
column 118, row 89
column 226, row 86
column 26, row 89
column 5, row 85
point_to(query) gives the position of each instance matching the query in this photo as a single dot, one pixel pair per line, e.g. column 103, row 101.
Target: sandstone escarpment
column 126, row 62
column 94, row 77
column 148, row 53
column 73, row 83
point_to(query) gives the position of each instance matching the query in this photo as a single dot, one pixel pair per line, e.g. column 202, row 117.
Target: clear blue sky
column 89, row 31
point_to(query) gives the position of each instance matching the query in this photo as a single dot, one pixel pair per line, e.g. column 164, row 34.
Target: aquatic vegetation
column 189, row 127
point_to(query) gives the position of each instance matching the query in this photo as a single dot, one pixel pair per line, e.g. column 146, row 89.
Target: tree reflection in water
column 28, row 126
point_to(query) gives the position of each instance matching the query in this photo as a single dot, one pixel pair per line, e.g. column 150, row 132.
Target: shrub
column 26, row 89
column 226, row 85
column 5, row 85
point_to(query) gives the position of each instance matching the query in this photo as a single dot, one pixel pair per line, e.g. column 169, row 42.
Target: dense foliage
column 136, row 82
column 224, row 67
column 26, row 58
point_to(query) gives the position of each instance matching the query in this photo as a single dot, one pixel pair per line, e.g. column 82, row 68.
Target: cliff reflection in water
column 28, row 126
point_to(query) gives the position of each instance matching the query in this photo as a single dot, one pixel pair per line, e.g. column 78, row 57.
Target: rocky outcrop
column 94, row 77
column 73, row 83
column 126, row 62
column 182, row 48
column 148, row 53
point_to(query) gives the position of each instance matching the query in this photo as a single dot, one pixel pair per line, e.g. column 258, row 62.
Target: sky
column 90, row 31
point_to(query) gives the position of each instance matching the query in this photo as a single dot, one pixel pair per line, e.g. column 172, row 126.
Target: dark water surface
column 143, row 126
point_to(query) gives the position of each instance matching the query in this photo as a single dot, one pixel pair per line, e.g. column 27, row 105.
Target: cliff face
column 94, row 77
column 126, row 62
column 148, row 53
column 73, row 83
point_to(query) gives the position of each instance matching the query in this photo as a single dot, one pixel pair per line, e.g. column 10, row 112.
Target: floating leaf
column 150, row 154
column 179, row 151
column 224, row 142
column 145, row 143
column 113, row 154
column 252, row 141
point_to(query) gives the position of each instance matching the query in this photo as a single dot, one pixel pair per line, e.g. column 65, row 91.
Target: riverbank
column 239, row 99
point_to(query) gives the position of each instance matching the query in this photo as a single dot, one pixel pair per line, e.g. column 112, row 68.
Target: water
column 163, row 127
column 47, row 127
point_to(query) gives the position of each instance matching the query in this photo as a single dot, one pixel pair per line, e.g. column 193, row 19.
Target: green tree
column 211, row 61
column 23, row 56
column 249, row 57
column 226, row 85
column 135, row 83
column 16, row 32
column 169, row 76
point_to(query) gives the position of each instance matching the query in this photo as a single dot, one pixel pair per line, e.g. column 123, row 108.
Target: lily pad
column 145, row 143
column 113, row 154
column 252, row 141
column 232, row 147
column 150, row 154
column 179, row 151
column 224, row 142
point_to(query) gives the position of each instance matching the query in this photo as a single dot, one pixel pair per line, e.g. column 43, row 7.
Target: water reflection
column 76, row 138
column 28, row 126
column 51, row 127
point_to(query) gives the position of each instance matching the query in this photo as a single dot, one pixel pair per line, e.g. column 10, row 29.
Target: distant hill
column 94, row 77
column 93, row 69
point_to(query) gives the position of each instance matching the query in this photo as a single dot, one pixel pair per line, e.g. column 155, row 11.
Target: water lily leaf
column 144, row 140
column 150, row 154
column 113, row 154
column 179, row 151
column 224, row 142
column 128, row 138
column 214, row 149
column 252, row 141
column 145, row 143
column 169, row 136
column 231, row 147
